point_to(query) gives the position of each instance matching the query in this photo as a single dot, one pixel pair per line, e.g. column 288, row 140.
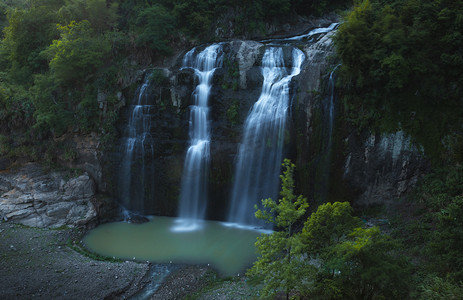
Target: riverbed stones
column 33, row 197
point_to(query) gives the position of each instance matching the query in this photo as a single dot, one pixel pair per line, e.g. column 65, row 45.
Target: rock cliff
column 322, row 168
column 33, row 197
column 334, row 162
column 382, row 168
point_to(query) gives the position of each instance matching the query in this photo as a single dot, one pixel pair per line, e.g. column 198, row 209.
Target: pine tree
column 278, row 267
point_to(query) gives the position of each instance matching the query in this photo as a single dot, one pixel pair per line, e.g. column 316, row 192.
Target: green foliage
column 434, row 287
column 158, row 78
column 101, row 15
column 318, row 7
column 447, row 241
column 332, row 258
column 5, row 145
column 233, row 112
column 155, row 24
column 441, row 193
column 28, row 33
column 77, row 55
column 289, row 208
column 402, row 67
column 70, row 155
column 6, row 5
column 328, row 225
column 379, row 270
column 278, row 267
column 16, row 108
column 50, row 113
column 352, row 262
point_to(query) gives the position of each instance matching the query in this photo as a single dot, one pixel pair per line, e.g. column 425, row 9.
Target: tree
column 51, row 113
column 441, row 193
column 102, row 17
column 328, row 226
column 155, row 25
column 369, row 266
column 402, row 67
column 29, row 32
column 351, row 262
column 77, row 55
column 278, row 267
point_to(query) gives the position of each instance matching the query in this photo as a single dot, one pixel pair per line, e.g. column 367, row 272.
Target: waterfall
column 135, row 183
column 260, row 153
column 328, row 108
column 310, row 35
column 193, row 196
column 330, row 103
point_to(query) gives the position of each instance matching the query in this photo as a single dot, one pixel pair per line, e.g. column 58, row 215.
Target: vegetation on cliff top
column 402, row 69
column 62, row 61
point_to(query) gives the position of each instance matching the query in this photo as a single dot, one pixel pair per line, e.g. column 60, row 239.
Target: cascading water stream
column 327, row 131
column 309, row 35
column 260, row 153
column 193, row 196
column 137, row 148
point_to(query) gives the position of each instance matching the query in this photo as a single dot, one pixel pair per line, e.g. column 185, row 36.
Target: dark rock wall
column 382, row 168
column 384, row 175
column 363, row 168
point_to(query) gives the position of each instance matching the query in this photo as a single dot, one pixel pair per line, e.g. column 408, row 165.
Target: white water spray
column 193, row 196
column 137, row 149
column 260, row 153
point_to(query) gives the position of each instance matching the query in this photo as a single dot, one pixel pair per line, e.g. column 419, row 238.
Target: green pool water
column 228, row 248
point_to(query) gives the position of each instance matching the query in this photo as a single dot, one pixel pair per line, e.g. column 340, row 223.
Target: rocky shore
column 37, row 263
column 33, row 196
column 43, row 216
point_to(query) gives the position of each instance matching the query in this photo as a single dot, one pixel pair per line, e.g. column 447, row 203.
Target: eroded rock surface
column 382, row 168
column 37, row 198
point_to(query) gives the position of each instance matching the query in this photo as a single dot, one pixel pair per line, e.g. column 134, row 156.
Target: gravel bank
column 38, row 264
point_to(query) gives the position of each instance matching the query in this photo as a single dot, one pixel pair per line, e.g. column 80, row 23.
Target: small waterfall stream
column 135, row 182
column 193, row 196
column 327, row 133
column 260, row 153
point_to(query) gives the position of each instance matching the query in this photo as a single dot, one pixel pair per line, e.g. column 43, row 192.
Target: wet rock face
column 376, row 171
column 371, row 169
column 236, row 86
column 381, row 168
column 36, row 198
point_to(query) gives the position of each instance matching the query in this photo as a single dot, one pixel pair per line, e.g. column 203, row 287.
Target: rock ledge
column 36, row 198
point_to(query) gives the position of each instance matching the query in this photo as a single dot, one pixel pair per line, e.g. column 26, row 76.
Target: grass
column 77, row 247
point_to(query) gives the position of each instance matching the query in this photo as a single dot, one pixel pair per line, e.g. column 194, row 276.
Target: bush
column 78, row 54
column 155, row 25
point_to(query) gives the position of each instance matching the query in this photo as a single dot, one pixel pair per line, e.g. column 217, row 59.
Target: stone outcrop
column 362, row 168
column 382, row 168
column 37, row 198
column 85, row 155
